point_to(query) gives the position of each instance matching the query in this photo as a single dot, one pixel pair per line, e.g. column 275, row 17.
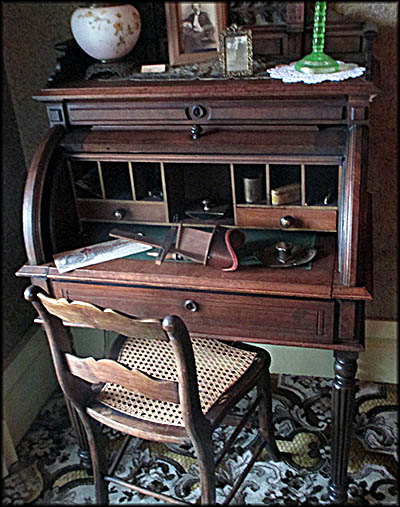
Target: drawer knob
column 286, row 221
column 119, row 213
column 195, row 131
column 191, row 305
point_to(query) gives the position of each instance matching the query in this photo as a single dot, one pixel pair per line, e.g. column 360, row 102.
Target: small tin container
column 252, row 189
column 286, row 194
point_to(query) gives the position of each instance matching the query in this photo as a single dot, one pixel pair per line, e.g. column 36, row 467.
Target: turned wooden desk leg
column 343, row 394
column 77, row 427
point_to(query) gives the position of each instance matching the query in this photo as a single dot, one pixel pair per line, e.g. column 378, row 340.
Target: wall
column 30, row 31
column 17, row 315
column 383, row 158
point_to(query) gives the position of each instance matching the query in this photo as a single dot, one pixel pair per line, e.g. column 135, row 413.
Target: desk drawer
column 204, row 111
column 302, row 218
column 253, row 318
column 151, row 211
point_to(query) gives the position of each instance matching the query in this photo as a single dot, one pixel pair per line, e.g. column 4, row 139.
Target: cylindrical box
column 252, row 189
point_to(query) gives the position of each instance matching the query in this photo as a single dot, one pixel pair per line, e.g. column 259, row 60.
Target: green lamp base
column 317, row 63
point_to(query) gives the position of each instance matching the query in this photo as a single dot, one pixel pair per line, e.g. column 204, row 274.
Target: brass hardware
column 206, row 204
column 286, row 221
column 284, row 249
column 119, row 213
column 198, row 111
column 196, row 130
column 191, row 305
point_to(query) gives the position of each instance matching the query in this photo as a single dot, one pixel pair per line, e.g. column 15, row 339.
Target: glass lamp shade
column 106, row 32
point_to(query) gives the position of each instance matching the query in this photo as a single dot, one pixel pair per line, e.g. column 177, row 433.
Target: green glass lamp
column 317, row 62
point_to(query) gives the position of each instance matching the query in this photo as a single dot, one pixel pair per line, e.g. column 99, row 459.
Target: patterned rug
column 48, row 471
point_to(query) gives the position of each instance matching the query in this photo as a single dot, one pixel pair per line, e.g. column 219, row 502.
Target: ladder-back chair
column 158, row 384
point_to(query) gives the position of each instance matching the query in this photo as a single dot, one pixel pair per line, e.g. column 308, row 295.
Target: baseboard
column 30, row 377
column 378, row 363
column 28, row 381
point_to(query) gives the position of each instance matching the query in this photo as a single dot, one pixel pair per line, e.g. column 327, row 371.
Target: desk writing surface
column 256, row 241
column 260, row 280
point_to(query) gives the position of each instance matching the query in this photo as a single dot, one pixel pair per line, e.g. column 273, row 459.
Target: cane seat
column 218, row 365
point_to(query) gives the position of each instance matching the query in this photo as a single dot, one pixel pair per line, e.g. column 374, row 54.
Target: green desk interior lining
column 256, row 239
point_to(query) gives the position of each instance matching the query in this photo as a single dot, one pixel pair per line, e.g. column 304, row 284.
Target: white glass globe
column 106, row 32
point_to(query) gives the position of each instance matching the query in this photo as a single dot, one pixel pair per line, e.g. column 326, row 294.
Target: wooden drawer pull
column 191, row 305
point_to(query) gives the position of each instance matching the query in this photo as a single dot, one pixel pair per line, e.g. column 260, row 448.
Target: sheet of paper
column 94, row 254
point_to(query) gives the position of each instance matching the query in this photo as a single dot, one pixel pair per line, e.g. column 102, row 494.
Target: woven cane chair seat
column 218, row 366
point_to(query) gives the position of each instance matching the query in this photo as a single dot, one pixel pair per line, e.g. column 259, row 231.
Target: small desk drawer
column 302, row 218
column 252, row 318
column 135, row 211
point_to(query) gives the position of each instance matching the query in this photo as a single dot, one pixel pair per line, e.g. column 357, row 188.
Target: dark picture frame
column 236, row 52
column 193, row 36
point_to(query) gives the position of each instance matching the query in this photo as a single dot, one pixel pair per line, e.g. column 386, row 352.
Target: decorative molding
column 9, row 455
column 28, row 382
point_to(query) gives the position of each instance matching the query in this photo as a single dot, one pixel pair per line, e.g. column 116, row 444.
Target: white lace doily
column 289, row 74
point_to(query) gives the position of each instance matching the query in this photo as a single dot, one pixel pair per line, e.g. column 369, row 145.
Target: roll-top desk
column 139, row 154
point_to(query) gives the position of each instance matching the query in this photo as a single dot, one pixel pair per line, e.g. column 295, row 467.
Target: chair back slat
column 82, row 313
column 107, row 370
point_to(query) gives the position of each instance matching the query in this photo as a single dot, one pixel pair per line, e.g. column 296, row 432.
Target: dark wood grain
column 343, row 393
column 221, row 315
column 307, row 219
column 90, row 209
column 105, row 370
column 33, row 196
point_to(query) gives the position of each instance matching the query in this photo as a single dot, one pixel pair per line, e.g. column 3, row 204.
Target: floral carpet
column 49, row 472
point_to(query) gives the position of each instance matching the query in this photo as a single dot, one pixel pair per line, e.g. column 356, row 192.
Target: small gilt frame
column 236, row 52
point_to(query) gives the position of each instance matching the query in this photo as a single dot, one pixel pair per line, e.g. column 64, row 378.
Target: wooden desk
column 145, row 129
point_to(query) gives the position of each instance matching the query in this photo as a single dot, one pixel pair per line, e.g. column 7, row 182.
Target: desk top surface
column 318, row 282
column 213, row 88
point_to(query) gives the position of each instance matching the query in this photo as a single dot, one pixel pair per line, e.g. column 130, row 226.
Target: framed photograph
column 194, row 30
column 236, row 52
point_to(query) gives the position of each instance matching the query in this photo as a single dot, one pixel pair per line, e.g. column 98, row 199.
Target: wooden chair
column 158, row 384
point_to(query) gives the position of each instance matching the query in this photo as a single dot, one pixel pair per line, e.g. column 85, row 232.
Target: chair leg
column 265, row 415
column 98, row 457
column 203, row 446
